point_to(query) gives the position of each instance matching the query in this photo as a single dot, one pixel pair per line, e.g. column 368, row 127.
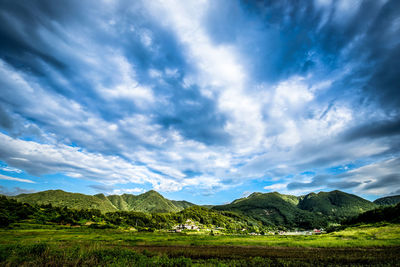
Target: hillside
column 271, row 209
column 381, row 214
column 274, row 209
column 384, row 201
column 150, row 201
column 182, row 204
column 309, row 211
column 12, row 211
column 60, row 198
column 337, row 205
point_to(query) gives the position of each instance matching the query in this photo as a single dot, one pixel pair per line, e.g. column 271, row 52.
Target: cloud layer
column 203, row 96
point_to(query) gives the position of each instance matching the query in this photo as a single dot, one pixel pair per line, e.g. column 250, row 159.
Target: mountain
column 337, row 205
column 274, row 209
column 182, row 204
column 60, row 198
column 384, row 201
column 388, row 213
column 271, row 209
column 312, row 210
column 151, row 201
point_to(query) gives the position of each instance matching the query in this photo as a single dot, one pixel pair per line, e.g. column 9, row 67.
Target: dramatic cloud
column 200, row 97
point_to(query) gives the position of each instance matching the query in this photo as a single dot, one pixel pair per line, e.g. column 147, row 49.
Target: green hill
column 274, row 209
column 182, row 204
column 309, row 211
column 385, row 201
column 60, row 198
column 381, row 214
column 271, row 209
column 150, row 201
column 337, row 205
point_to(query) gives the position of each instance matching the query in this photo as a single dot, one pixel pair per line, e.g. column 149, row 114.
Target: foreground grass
column 42, row 254
column 64, row 246
column 361, row 236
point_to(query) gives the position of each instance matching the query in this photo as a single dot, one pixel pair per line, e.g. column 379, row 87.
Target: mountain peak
column 255, row 194
column 152, row 193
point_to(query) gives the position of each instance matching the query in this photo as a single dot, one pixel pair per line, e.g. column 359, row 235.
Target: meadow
column 27, row 244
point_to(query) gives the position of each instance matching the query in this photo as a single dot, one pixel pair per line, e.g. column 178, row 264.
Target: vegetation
column 306, row 212
column 41, row 254
column 45, row 235
column 61, row 245
column 59, row 198
column 272, row 209
column 381, row 214
column 385, row 201
column 12, row 211
column 262, row 211
column 150, row 201
column 335, row 205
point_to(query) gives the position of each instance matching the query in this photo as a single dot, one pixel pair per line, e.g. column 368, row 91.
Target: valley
column 271, row 229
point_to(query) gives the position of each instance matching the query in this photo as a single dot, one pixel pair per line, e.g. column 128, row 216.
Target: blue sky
column 206, row 101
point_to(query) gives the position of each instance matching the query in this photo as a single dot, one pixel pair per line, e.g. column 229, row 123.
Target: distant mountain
column 337, row 205
column 305, row 211
column 182, row 204
column 150, row 201
column 271, row 209
column 385, row 213
column 384, row 201
column 61, row 198
column 274, row 209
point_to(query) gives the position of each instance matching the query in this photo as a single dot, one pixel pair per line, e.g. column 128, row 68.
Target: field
column 23, row 245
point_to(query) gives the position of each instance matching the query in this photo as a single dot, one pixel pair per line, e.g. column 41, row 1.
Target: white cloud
column 9, row 178
column 74, row 175
column 275, row 129
column 11, row 169
column 127, row 191
column 377, row 178
column 291, row 94
column 276, row 187
column 345, row 10
column 220, row 73
column 126, row 85
column 43, row 158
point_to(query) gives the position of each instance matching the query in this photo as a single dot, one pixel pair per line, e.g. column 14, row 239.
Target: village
column 191, row 226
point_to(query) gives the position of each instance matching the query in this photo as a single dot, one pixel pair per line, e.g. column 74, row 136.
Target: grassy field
column 56, row 245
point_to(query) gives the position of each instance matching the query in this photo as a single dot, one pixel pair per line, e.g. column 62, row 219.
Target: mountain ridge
column 150, row 201
column 389, row 200
column 273, row 208
column 304, row 211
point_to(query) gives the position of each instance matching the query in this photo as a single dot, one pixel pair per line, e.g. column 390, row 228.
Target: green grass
column 361, row 236
column 34, row 245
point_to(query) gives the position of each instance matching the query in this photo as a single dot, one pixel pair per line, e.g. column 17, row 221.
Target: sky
column 206, row 100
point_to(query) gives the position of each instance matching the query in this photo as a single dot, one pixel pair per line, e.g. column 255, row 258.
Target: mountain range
column 305, row 211
column 385, row 201
column 273, row 209
column 151, row 201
